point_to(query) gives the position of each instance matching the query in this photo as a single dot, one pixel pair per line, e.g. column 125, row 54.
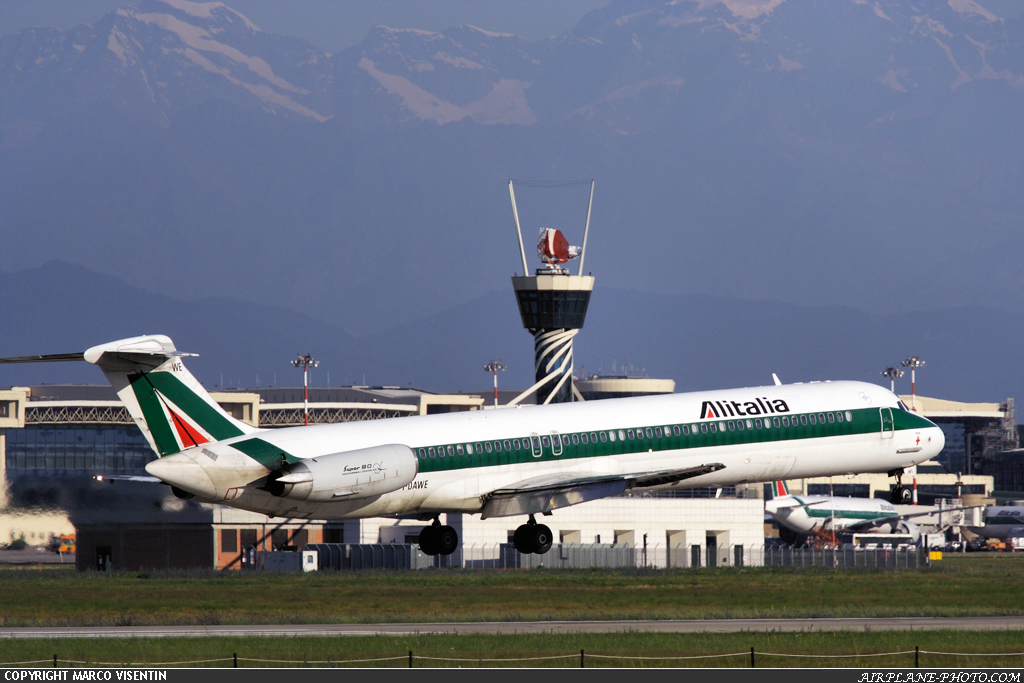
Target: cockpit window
column 903, row 406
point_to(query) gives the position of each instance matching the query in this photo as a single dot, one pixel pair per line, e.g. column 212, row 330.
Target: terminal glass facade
column 79, row 449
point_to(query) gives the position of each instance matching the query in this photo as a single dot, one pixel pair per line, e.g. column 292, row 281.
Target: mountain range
column 700, row 342
column 851, row 164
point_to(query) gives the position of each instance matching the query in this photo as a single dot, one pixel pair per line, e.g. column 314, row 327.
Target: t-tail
column 168, row 404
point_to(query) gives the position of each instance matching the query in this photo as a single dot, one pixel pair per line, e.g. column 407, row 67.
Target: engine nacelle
column 351, row 474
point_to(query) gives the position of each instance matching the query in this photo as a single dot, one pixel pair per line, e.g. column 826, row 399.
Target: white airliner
column 502, row 462
column 1001, row 522
column 828, row 516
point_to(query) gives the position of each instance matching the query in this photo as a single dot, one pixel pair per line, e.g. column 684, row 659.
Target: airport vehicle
column 828, row 517
column 1001, row 522
column 505, row 462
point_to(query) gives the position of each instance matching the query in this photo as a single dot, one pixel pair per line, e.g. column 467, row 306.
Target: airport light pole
column 913, row 362
column 494, row 366
column 305, row 362
column 892, row 373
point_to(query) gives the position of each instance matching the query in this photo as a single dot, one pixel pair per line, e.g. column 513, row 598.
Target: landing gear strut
column 532, row 538
column 438, row 540
column 901, row 495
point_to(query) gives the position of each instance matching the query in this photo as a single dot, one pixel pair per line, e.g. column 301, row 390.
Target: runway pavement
column 669, row 626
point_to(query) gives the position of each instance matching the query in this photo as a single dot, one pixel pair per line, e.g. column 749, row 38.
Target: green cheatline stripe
column 863, row 421
column 147, row 385
column 266, row 454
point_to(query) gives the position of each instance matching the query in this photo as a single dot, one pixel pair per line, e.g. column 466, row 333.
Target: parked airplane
column 507, row 462
column 828, row 516
column 1001, row 522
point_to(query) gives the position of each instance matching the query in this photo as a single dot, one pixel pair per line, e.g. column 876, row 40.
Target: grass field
column 960, row 585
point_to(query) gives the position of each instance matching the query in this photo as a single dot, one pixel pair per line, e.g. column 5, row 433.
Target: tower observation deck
column 553, row 305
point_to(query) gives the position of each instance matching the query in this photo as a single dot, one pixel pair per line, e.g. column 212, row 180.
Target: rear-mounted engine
column 352, row 474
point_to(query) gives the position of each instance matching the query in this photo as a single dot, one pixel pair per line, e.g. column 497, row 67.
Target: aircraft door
column 887, row 427
column 556, row 444
column 536, row 445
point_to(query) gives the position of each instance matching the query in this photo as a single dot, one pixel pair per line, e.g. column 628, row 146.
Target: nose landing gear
column 532, row 538
column 901, row 495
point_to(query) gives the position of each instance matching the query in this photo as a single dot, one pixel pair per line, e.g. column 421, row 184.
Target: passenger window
column 459, row 449
column 622, row 435
column 821, row 418
column 488, row 446
column 775, row 421
column 686, row 430
column 849, row 416
column 451, row 451
column 593, row 437
column 704, row 428
column 831, row 417
column 431, row 451
column 603, row 437
column 575, row 439
column 508, row 446
column 739, row 425
column 657, row 432
column 585, row 438
column 515, row 444
column 565, row 439
column 544, row 440
column 650, row 434
column 839, row 417
column 423, row 453
column 732, row 426
column 803, row 419
column 629, row 434
column 611, row 435
column 713, row 427
column 812, row 419
column 785, row 421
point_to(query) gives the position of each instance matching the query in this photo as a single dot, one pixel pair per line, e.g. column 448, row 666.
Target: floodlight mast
column 494, row 366
column 892, row 373
column 913, row 362
column 305, row 362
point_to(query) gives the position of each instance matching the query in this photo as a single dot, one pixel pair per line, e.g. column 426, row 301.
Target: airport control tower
column 553, row 305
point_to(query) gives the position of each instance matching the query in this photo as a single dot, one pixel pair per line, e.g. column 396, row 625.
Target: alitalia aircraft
column 505, row 462
column 828, row 516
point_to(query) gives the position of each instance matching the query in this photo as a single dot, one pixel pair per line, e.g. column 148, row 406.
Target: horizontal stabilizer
column 52, row 358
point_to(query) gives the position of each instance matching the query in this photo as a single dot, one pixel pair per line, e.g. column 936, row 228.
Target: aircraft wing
column 542, row 494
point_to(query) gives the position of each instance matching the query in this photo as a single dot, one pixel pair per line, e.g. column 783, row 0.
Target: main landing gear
column 901, row 495
column 532, row 538
column 438, row 540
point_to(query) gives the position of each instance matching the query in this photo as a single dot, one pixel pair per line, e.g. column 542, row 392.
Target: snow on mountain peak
column 208, row 10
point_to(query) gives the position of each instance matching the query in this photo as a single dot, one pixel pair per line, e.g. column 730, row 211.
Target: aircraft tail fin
column 169, row 405
column 780, row 489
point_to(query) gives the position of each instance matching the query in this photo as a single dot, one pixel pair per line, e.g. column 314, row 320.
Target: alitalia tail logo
column 759, row 406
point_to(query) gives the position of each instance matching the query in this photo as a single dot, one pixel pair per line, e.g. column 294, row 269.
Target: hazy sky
column 332, row 25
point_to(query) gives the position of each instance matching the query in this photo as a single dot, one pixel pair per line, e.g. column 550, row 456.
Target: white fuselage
column 814, row 514
column 758, row 434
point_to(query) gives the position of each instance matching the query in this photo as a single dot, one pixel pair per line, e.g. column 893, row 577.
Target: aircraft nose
column 182, row 471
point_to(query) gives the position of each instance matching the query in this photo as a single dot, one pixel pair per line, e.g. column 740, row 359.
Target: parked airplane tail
column 169, row 405
column 780, row 489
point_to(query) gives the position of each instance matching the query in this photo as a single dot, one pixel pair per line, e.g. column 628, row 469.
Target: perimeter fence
column 748, row 658
column 351, row 556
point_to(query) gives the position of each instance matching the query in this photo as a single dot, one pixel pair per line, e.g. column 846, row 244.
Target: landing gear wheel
column 523, row 539
column 446, row 540
column 901, row 495
column 541, row 539
column 429, row 540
